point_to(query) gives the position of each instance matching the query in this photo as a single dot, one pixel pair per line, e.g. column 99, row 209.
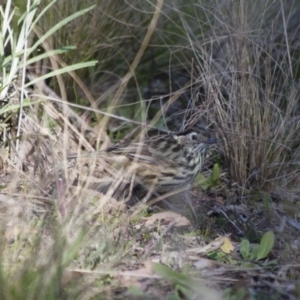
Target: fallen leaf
column 227, row 246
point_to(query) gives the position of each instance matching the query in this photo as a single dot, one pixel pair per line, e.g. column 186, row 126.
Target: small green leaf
column 245, row 248
column 265, row 246
column 253, row 253
column 203, row 181
column 60, row 25
column 9, row 107
column 200, row 178
column 216, row 173
column 62, row 71
column 205, row 185
column 48, row 54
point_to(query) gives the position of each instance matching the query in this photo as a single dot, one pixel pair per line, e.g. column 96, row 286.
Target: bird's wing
column 145, row 151
column 139, row 152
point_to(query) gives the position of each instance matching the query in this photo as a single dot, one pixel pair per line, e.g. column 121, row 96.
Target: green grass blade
column 60, row 25
column 62, row 71
column 265, row 245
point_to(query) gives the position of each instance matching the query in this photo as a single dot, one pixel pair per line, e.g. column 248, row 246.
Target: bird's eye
column 194, row 136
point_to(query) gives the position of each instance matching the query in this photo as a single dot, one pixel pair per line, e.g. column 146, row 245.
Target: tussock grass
column 246, row 72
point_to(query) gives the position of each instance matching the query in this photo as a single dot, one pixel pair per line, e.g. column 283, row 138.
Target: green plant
column 184, row 285
column 211, row 181
column 260, row 251
column 18, row 51
column 18, row 40
column 238, row 294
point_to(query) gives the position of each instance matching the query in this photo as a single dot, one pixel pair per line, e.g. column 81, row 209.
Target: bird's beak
column 211, row 141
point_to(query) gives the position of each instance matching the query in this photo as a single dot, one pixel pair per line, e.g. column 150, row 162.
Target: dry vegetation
column 141, row 66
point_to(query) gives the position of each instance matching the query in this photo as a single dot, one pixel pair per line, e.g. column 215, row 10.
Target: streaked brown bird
column 158, row 164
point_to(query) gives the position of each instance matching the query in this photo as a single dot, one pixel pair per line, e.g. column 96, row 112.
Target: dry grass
column 67, row 242
column 250, row 96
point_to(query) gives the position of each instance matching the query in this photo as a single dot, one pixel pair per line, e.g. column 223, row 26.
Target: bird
column 159, row 164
